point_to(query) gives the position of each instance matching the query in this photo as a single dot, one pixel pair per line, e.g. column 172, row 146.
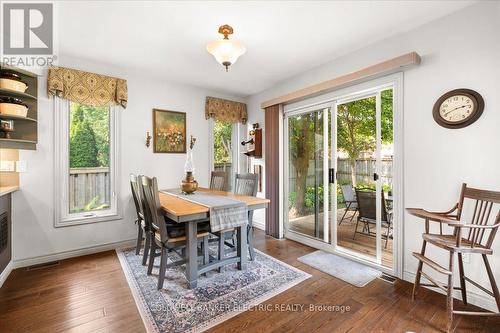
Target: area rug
column 218, row 297
column 347, row 270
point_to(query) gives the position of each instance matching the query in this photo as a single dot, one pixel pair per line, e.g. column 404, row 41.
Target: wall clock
column 458, row 108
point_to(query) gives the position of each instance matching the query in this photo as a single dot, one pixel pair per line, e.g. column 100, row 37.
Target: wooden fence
column 88, row 186
column 365, row 167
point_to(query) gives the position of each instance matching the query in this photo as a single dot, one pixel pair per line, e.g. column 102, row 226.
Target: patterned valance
column 86, row 88
column 225, row 110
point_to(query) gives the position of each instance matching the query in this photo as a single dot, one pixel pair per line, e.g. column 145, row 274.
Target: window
column 86, row 172
column 225, row 149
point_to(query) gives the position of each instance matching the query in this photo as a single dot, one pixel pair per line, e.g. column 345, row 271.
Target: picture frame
column 169, row 132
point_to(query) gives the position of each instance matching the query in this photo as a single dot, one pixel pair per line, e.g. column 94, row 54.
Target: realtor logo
column 28, row 29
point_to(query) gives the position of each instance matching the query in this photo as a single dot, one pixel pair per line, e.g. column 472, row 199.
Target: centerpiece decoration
column 189, row 184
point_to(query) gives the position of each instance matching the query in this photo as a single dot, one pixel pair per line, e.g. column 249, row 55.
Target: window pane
column 89, row 146
column 223, row 149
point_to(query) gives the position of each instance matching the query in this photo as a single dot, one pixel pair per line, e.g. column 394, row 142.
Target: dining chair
column 244, row 184
column 367, row 214
column 349, row 200
column 142, row 231
column 218, row 180
column 482, row 229
column 166, row 235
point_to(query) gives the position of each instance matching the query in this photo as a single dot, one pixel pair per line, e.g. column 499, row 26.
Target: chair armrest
column 473, row 226
column 454, row 208
column 436, row 217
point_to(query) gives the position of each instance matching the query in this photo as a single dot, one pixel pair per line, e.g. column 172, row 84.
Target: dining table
column 184, row 210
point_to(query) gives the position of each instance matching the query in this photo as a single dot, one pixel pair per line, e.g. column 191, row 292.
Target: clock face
column 457, row 108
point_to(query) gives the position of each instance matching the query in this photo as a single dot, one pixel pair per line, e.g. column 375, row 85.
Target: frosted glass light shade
column 226, row 51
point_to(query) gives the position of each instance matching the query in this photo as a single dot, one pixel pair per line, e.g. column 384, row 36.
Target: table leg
column 242, row 247
column 192, row 254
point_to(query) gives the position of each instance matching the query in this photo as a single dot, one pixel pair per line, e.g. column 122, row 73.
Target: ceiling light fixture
column 226, row 51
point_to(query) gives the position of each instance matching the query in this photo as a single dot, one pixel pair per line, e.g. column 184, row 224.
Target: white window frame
column 62, row 217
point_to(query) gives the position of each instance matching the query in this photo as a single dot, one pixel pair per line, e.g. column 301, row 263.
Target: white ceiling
column 167, row 39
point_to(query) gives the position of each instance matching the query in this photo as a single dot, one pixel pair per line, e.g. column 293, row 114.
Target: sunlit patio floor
column 345, row 232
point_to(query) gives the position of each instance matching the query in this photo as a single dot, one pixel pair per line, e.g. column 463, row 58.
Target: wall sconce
column 148, row 139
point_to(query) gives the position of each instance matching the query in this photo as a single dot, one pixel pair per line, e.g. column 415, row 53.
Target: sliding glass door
column 339, row 174
column 308, row 143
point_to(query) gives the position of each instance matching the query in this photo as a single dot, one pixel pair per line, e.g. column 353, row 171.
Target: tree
column 97, row 120
column 356, row 127
column 301, row 131
column 356, row 132
column 222, row 142
column 83, row 147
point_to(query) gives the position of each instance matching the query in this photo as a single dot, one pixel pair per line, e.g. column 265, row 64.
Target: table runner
column 225, row 213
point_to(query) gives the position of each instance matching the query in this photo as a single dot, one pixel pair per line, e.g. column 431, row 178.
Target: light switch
column 7, row 166
column 21, row 166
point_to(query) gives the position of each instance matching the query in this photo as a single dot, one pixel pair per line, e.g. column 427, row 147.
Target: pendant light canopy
column 226, row 51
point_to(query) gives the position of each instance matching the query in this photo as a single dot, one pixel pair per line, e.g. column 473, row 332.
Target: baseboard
column 483, row 301
column 259, row 225
column 72, row 253
column 5, row 273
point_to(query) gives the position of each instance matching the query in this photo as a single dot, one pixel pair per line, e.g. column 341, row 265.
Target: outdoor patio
column 362, row 243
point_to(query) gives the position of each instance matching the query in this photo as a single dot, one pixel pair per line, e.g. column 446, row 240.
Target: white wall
column 34, row 234
column 458, row 51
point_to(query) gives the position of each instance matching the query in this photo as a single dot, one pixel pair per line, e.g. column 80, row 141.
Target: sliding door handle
column 331, row 176
column 375, row 176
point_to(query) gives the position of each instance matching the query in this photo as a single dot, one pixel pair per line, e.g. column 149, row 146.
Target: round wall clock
column 458, row 108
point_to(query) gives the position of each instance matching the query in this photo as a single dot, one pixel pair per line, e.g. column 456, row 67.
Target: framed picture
column 169, row 131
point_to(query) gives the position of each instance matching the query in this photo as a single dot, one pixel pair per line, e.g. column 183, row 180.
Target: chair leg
column 147, row 244
column 416, row 285
column 353, row 214
column 493, row 283
column 250, row 242
column 387, row 237
column 163, row 267
column 152, row 252
column 355, row 229
column 221, row 249
column 139, row 238
column 449, row 296
column 462, row 278
column 205, row 250
column 345, row 212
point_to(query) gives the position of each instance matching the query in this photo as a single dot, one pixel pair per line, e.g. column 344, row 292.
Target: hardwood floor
column 90, row 294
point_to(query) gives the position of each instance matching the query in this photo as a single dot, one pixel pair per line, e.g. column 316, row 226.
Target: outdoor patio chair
column 367, row 214
column 350, row 201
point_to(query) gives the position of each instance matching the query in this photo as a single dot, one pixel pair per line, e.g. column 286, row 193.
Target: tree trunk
column 352, row 162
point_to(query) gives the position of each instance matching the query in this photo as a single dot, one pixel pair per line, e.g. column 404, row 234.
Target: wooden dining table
column 185, row 211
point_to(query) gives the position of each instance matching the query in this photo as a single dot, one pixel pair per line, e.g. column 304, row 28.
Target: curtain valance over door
column 225, row 110
column 87, row 88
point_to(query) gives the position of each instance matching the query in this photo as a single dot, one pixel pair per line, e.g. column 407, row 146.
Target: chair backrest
column 367, row 205
column 483, row 202
column 152, row 207
column 246, row 184
column 218, row 180
column 348, row 192
column 136, row 195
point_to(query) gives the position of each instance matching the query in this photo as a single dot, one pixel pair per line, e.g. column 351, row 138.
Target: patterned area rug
column 218, row 297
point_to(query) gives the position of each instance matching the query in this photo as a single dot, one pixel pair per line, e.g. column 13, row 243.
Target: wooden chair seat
column 449, row 242
column 181, row 238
